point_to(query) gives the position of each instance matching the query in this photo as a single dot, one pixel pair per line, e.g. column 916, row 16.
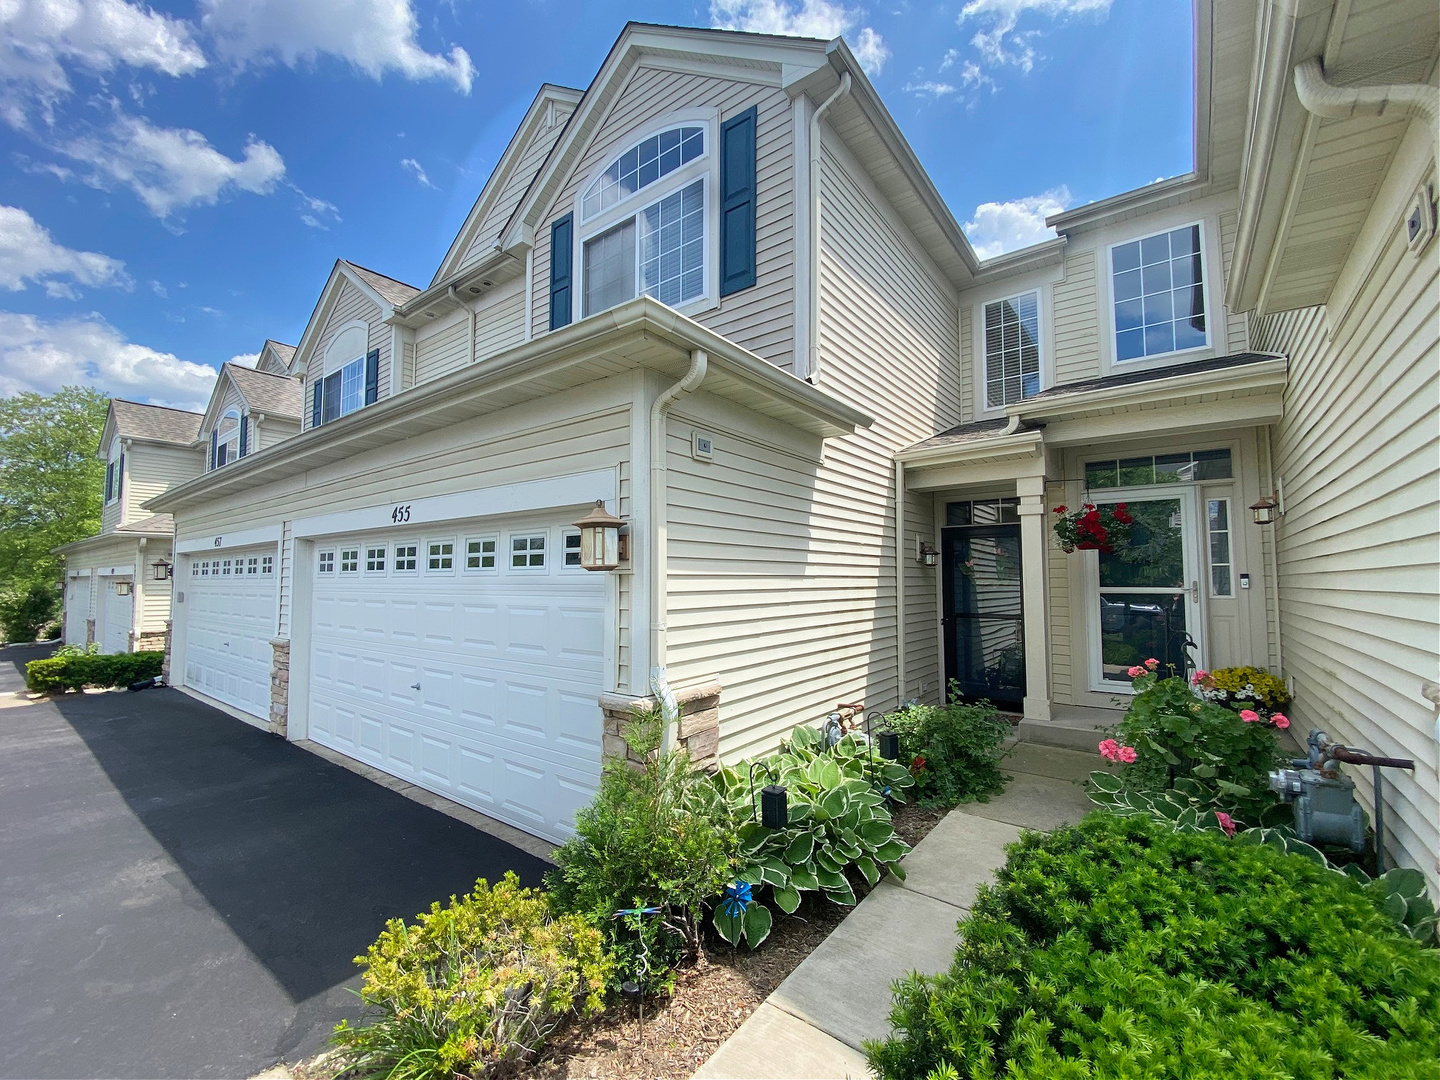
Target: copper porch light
column 601, row 546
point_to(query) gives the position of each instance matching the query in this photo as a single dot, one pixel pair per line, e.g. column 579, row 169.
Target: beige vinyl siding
column 1237, row 323
column 272, row 430
column 407, row 373
column 968, row 389
column 924, row 674
column 154, row 470
column 782, row 555
column 514, row 187
column 1077, row 319
column 501, row 326
column 155, row 598
column 350, row 305
column 442, row 351
column 1358, row 570
column 762, row 317
column 110, row 512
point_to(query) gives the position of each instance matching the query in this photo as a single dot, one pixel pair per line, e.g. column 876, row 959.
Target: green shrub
column 24, row 613
column 1121, row 948
column 1175, row 734
column 839, row 824
column 474, row 985
column 655, row 836
column 77, row 671
column 953, row 750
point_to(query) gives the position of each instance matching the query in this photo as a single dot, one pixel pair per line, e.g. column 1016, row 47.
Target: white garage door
column 468, row 661
column 116, row 615
column 77, row 609
column 229, row 621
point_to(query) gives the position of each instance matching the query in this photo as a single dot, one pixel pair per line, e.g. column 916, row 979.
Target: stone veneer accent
column 280, row 687
column 165, row 663
column 699, row 722
column 151, row 642
column 89, row 631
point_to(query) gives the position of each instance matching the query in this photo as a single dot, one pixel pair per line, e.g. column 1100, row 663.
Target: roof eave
column 1268, row 374
column 1149, row 197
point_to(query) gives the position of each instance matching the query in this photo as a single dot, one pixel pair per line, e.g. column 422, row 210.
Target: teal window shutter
column 120, row 477
column 109, row 480
column 244, row 434
column 214, row 445
column 372, row 376
column 562, row 270
column 315, row 403
column 737, row 202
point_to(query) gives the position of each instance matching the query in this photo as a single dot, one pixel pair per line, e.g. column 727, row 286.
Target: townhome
column 716, row 293
column 117, row 582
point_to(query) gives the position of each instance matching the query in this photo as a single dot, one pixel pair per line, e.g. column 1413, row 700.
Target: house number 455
column 400, row 514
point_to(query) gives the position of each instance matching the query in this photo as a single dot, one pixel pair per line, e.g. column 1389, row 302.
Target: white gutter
column 1332, row 102
column 659, row 516
column 812, row 367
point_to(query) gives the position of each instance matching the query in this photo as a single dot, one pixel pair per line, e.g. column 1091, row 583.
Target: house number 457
column 400, row 514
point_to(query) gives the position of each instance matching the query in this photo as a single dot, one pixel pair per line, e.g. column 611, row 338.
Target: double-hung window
column 644, row 221
column 343, row 391
column 227, row 438
column 1158, row 290
column 1012, row 349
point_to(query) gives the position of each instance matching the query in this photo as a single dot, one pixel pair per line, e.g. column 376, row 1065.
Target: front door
column 983, row 616
column 1144, row 599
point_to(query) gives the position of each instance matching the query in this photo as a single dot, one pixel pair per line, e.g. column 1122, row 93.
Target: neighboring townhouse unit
column 117, row 583
column 251, row 408
column 717, row 293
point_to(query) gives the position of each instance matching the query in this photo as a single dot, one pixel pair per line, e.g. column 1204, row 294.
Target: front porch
column 1051, row 634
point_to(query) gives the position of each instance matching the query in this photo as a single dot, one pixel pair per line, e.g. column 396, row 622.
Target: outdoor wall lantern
column 161, row 570
column 774, row 811
column 1264, row 510
column 601, row 545
column 926, row 555
column 123, row 588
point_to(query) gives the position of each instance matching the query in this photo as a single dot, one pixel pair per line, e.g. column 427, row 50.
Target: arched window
column 655, row 246
column 227, row 438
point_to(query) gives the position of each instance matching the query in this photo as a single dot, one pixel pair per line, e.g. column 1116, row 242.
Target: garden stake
column 636, row 990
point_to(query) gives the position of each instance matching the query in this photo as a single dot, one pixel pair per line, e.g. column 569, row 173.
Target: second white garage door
column 229, row 621
column 468, row 661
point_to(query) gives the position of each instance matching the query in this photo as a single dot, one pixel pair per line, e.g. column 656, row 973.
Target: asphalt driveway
column 184, row 894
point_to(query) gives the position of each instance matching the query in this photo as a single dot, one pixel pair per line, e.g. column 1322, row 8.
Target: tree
column 50, row 480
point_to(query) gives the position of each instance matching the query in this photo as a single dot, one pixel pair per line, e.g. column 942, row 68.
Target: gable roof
column 149, row 423
column 275, row 357
column 273, row 395
column 384, row 292
column 504, row 175
column 393, row 290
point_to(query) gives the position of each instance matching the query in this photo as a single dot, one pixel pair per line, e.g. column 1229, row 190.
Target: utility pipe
column 1323, row 98
column 812, row 368
column 659, row 515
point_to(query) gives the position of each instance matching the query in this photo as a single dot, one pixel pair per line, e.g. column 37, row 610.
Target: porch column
column 1033, row 555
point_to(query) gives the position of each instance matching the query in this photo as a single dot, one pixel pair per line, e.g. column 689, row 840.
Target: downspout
column 470, row 350
column 659, row 515
column 899, row 582
column 137, row 598
column 812, row 369
column 1332, row 102
column 1272, row 557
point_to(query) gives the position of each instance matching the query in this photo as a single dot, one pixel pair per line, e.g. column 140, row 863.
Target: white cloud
column 249, row 359
column 421, row 177
column 972, row 76
column 98, row 35
column 159, row 290
column 998, row 227
column 375, row 36
column 28, row 253
column 172, row 168
column 804, row 18
column 929, row 89
column 1000, row 44
column 43, row 356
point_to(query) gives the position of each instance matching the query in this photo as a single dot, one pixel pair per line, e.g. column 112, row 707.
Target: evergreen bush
column 79, row 670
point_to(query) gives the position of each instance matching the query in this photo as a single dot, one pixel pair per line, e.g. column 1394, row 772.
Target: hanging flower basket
column 1090, row 528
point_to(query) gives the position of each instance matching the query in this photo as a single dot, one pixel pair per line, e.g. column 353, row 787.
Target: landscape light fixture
column 601, row 545
column 774, row 809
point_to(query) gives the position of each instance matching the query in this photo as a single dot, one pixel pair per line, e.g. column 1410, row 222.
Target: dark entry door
column 983, row 617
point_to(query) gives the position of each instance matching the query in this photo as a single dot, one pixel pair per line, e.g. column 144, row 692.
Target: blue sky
column 176, row 180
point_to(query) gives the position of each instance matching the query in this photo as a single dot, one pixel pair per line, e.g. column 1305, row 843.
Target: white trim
column 578, row 489
column 1206, row 499
column 440, row 571
column 114, row 571
column 982, row 406
column 1207, row 290
column 266, row 534
column 528, row 534
column 708, row 117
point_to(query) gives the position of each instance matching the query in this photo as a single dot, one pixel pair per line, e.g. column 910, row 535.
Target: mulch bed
column 668, row 1039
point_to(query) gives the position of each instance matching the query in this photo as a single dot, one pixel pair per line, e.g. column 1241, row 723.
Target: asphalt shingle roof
column 273, row 395
column 155, row 524
column 396, row 292
column 284, row 353
column 157, row 422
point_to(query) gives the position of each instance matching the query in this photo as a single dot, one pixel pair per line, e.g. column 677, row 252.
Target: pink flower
column 1250, row 716
column 1152, row 663
column 1126, row 754
column 1226, row 822
column 1136, row 672
column 1280, row 720
column 1110, row 750
column 1198, row 677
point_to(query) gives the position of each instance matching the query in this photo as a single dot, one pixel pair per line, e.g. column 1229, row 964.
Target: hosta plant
column 839, row 824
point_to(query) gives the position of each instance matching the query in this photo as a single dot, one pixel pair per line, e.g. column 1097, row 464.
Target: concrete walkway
column 815, row 1022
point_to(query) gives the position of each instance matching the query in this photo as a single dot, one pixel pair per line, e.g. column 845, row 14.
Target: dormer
column 250, row 409
column 147, row 449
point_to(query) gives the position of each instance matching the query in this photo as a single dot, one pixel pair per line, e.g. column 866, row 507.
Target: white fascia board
column 577, row 490
column 115, row 571
column 1017, row 444
column 266, row 534
column 1261, row 376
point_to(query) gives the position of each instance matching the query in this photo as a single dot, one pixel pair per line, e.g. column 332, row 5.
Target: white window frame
column 527, row 535
column 353, row 551
column 432, row 555
column 252, row 565
column 267, row 565
column 1210, row 534
column 982, row 404
column 566, row 535
column 330, row 366
column 325, row 561
column 370, row 547
column 706, row 166
column 115, row 484
column 230, row 444
column 1108, row 270
column 395, row 556
column 494, row 538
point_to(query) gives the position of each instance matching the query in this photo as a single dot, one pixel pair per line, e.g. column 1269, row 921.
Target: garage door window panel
column 375, row 558
column 571, row 543
column 440, row 557
column 349, row 560
column 407, row 558
column 527, row 552
column 480, row 554
column 326, row 563
column 267, row 564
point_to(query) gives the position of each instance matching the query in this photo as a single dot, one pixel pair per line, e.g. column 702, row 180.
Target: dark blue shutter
column 562, row 270
column 214, row 444
column 737, row 202
column 316, row 417
column 372, row 376
column 120, row 477
column 109, row 480
column 244, row 434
